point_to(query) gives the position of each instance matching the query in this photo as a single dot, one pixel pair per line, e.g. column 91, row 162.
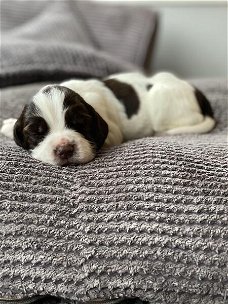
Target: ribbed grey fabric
column 145, row 219
column 55, row 39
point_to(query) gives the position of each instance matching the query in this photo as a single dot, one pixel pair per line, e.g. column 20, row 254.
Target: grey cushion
column 145, row 219
column 55, row 40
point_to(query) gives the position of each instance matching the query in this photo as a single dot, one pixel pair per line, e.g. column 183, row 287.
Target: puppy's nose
column 64, row 151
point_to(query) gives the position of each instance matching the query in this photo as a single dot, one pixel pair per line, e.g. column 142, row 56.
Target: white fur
column 208, row 123
column 50, row 107
column 7, row 127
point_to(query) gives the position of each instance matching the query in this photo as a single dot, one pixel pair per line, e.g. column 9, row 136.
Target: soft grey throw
column 147, row 218
column 56, row 39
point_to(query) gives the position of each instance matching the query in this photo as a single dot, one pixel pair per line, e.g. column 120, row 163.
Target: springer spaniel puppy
column 70, row 122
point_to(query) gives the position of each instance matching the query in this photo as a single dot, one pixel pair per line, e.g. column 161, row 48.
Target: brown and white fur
column 70, row 122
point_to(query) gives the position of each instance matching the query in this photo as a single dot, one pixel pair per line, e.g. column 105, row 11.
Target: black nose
column 64, row 151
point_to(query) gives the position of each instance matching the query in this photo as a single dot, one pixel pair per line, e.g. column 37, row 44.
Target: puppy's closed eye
column 29, row 133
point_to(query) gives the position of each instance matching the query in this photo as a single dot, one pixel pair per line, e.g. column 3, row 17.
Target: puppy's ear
column 18, row 131
column 99, row 128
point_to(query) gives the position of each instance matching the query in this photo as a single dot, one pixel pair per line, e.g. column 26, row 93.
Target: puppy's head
column 60, row 128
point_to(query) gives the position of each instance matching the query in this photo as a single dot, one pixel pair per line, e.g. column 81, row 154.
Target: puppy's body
column 121, row 107
column 166, row 104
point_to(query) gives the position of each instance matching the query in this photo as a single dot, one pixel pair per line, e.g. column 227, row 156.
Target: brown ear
column 18, row 131
column 99, row 128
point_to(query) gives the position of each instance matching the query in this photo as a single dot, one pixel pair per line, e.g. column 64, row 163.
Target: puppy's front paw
column 7, row 127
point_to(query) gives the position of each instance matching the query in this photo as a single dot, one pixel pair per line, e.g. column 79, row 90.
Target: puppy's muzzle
column 64, row 151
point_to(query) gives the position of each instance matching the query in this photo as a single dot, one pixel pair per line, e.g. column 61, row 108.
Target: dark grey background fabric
column 55, row 40
column 147, row 218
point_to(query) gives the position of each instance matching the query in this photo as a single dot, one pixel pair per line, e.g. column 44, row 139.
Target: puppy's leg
column 7, row 127
column 203, row 127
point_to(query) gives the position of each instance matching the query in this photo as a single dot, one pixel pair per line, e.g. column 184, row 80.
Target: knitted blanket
column 145, row 219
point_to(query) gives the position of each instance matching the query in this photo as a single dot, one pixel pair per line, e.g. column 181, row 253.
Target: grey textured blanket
column 55, row 39
column 146, row 219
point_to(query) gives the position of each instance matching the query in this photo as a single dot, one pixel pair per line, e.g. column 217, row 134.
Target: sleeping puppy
column 70, row 122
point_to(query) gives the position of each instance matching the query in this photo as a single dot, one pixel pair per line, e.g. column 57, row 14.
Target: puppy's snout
column 64, row 151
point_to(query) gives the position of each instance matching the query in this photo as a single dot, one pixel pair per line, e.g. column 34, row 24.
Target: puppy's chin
column 84, row 151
